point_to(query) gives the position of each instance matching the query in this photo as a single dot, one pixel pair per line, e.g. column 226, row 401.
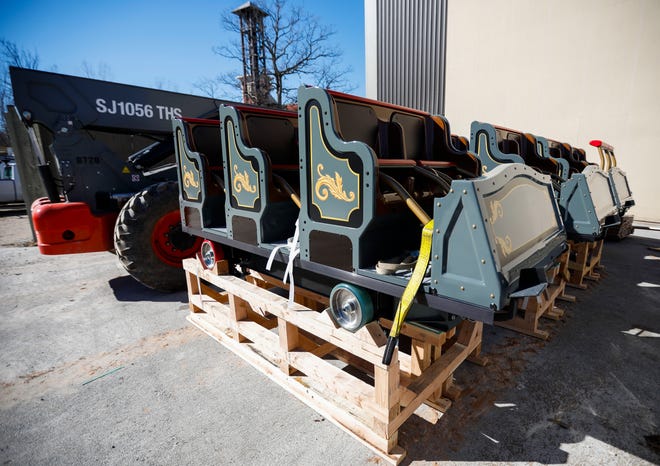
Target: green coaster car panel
column 624, row 198
column 586, row 202
column 258, row 147
column 199, row 170
column 543, row 150
column 490, row 231
column 585, row 196
column 484, row 143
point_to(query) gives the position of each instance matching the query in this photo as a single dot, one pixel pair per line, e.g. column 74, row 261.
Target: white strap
column 294, row 249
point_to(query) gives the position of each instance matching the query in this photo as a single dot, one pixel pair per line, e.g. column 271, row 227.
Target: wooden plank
column 299, row 291
column 430, row 381
column 420, row 353
column 352, row 360
column 220, row 268
column 192, row 283
column 219, row 296
column 219, row 311
column 238, row 310
column 195, row 303
column 261, row 340
column 518, row 325
column 323, row 350
column 567, row 297
column 335, row 383
column 289, row 339
column 533, row 308
column 388, row 396
column 428, row 413
column 417, row 333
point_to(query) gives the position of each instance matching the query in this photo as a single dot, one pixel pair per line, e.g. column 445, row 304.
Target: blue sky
column 155, row 43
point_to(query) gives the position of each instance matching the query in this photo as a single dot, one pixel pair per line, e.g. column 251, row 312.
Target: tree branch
column 296, row 44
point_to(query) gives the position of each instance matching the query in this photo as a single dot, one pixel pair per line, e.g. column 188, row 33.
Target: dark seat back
column 450, row 148
column 275, row 133
column 509, row 146
column 392, row 132
column 515, row 142
column 206, row 140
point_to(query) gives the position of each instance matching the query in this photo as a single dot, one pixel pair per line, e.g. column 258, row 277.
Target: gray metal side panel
column 411, row 45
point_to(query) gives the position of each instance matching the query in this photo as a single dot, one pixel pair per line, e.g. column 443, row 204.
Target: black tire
column 134, row 241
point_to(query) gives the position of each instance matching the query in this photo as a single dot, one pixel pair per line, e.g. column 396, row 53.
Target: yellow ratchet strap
column 410, row 292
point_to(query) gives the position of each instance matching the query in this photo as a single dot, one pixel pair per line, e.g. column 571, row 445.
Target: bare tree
column 333, row 76
column 165, row 84
column 101, row 71
column 11, row 55
column 297, row 47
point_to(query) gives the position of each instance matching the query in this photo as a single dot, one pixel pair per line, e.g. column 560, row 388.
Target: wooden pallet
column 302, row 350
column 584, row 262
column 562, row 276
column 625, row 228
column 531, row 309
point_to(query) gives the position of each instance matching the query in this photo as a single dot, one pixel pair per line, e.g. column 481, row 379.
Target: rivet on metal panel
column 462, row 288
column 465, row 191
column 483, row 261
column 436, row 257
column 474, row 227
column 435, row 282
column 492, row 296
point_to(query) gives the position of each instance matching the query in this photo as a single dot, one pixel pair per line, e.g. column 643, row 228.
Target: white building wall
column 572, row 70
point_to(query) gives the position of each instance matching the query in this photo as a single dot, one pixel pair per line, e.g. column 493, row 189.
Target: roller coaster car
column 586, row 199
column 354, row 181
column 577, row 160
column 618, row 178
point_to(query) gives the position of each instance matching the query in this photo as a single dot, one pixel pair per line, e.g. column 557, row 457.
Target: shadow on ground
column 127, row 289
column 11, row 209
column 590, row 382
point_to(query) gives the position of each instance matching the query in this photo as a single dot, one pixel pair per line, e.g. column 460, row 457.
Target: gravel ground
column 587, row 396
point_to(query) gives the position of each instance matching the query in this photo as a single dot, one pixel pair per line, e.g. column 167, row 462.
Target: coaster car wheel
column 350, row 306
column 210, row 253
